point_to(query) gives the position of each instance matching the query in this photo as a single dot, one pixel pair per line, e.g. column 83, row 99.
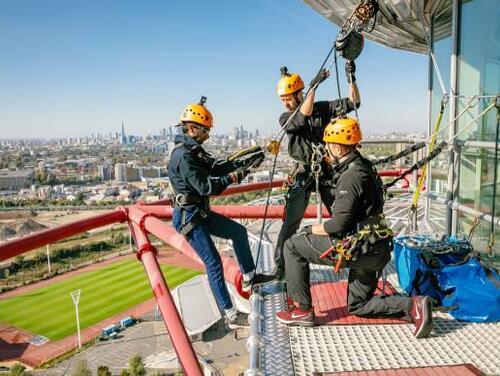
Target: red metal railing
column 145, row 218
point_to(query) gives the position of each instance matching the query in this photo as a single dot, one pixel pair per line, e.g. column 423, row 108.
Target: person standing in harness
column 304, row 133
column 359, row 238
column 195, row 176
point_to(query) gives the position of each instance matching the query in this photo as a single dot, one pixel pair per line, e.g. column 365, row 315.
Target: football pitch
column 49, row 311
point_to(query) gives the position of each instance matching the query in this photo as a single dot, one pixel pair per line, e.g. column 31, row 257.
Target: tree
column 103, row 371
column 136, row 366
column 81, row 369
column 18, row 370
column 125, row 372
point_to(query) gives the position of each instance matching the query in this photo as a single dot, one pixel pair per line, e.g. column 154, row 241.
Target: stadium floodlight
column 48, row 258
column 75, row 296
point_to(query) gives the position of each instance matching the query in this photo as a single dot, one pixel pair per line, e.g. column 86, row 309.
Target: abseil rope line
column 429, row 49
column 416, row 194
column 439, row 148
column 403, row 153
column 279, row 138
column 420, row 145
column 473, row 101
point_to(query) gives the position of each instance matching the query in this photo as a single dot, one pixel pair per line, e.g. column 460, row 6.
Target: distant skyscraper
column 123, row 139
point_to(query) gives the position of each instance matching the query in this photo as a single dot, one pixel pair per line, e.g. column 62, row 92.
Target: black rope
column 403, row 153
column 283, row 132
column 495, row 175
column 421, row 163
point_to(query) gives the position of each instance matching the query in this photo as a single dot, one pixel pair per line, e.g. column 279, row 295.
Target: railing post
column 146, row 253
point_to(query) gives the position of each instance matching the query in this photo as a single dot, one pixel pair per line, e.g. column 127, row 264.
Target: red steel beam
column 51, row 235
column 237, row 211
column 170, row 236
column 41, row 238
column 147, row 254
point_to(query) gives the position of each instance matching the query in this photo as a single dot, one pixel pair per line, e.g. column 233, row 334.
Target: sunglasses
column 203, row 129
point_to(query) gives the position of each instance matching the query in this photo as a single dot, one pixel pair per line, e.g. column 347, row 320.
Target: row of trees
column 135, row 368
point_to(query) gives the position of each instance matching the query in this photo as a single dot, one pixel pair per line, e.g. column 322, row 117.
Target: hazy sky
column 72, row 68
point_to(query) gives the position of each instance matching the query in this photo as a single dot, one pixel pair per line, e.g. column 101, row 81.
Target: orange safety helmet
column 197, row 113
column 343, row 131
column 289, row 83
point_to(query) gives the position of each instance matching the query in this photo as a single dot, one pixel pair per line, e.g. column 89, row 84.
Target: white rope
column 468, row 106
column 486, row 110
column 433, row 59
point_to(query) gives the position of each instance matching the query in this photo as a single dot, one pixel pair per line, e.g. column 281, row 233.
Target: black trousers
column 297, row 200
column 301, row 250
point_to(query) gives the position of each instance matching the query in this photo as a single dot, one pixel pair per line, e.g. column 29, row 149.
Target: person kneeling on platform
column 194, row 176
column 356, row 236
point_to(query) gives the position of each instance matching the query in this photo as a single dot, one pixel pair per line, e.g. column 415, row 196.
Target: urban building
column 16, row 179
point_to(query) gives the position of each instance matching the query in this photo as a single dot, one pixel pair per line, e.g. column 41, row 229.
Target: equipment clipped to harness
column 369, row 232
column 316, row 159
column 349, row 42
column 274, row 147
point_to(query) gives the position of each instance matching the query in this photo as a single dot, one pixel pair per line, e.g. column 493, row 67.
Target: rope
column 475, row 222
column 416, row 194
column 491, row 244
column 470, row 104
column 438, row 149
column 403, row 153
column 279, row 137
column 429, row 49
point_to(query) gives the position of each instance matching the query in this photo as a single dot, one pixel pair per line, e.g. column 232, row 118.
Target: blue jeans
column 199, row 238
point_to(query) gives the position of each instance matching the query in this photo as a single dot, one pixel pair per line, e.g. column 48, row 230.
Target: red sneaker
column 296, row 317
column 421, row 314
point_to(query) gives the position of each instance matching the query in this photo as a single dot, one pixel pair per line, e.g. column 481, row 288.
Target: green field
column 49, row 311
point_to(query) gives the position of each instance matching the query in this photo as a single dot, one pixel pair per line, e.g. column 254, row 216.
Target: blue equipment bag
column 450, row 272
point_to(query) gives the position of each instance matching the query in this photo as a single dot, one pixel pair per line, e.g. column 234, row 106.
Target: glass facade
column 478, row 74
column 438, row 172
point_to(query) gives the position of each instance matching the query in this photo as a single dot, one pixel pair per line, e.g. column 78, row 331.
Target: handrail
column 145, row 218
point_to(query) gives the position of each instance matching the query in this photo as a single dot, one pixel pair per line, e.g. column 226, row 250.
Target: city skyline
column 83, row 68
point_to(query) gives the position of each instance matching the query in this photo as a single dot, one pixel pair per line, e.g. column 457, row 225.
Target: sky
column 73, row 68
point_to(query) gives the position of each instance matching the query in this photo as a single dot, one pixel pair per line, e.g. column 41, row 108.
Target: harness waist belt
column 184, row 200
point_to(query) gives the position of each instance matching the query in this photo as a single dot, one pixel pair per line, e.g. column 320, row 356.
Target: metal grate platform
column 369, row 347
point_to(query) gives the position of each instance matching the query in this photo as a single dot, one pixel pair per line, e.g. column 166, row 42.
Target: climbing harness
column 369, row 232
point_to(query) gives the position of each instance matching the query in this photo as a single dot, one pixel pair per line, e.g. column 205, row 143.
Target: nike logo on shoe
column 294, row 316
column 417, row 313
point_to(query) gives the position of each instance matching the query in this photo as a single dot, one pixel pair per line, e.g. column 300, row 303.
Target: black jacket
column 359, row 194
column 304, row 131
column 193, row 171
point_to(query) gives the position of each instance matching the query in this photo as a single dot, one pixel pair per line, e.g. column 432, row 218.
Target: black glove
column 238, row 175
column 254, row 161
column 350, row 69
column 320, row 77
